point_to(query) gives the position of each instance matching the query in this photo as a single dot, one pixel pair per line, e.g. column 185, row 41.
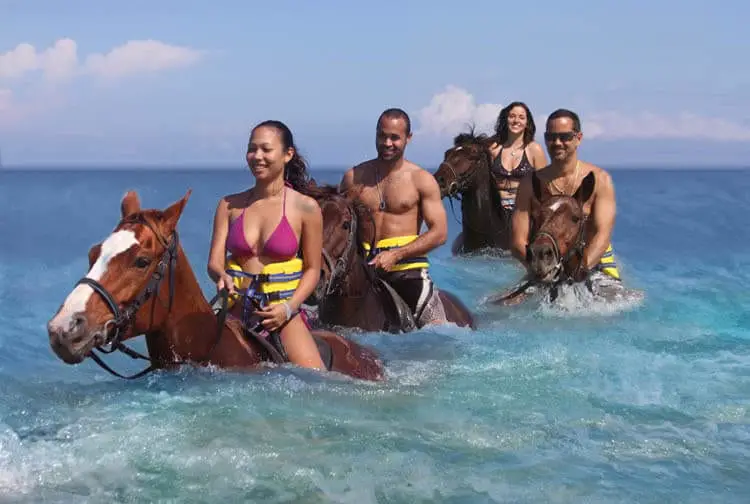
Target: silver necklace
column 380, row 194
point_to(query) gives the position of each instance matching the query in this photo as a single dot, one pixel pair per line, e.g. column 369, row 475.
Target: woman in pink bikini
column 265, row 229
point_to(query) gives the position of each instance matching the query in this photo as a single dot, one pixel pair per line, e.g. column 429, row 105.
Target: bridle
column 123, row 317
column 561, row 260
column 340, row 267
column 461, row 183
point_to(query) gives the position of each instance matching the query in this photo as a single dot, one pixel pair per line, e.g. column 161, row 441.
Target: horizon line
column 208, row 166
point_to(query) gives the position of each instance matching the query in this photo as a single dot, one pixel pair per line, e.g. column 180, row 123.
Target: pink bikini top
column 281, row 245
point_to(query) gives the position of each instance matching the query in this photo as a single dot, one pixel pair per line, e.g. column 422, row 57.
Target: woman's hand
column 225, row 282
column 274, row 316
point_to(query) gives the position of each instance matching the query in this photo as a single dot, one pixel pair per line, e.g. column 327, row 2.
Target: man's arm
column 346, row 181
column 433, row 213
column 520, row 220
column 604, row 209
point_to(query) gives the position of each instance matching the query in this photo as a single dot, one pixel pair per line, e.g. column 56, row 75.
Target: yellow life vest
column 275, row 283
column 607, row 263
column 420, row 262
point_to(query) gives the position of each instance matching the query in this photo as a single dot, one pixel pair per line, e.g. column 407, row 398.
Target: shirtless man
column 401, row 195
column 563, row 176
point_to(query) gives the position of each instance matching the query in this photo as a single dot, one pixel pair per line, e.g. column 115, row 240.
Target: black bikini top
column 519, row 172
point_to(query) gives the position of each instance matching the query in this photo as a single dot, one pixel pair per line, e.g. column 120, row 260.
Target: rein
column 576, row 249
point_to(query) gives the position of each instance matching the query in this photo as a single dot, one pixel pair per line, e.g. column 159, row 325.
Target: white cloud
column 56, row 62
column 140, row 56
column 60, row 61
column 453, row 109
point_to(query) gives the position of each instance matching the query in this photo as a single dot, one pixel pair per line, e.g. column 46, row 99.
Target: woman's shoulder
column 302, row 202
column 234, row 200
column 535, row 147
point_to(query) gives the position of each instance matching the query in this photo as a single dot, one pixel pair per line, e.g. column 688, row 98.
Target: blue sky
column 167, row 82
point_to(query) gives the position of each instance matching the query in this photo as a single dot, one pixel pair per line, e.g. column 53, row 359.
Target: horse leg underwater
column 140, row 282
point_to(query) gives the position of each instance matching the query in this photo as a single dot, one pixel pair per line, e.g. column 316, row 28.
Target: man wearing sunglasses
column 563, row 176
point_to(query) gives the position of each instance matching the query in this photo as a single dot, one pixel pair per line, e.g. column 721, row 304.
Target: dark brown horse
column 465, row 175
column 557, row 240
column 141, row 283
column 350, row 293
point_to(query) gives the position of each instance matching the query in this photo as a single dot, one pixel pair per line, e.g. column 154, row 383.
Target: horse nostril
column 78, row 321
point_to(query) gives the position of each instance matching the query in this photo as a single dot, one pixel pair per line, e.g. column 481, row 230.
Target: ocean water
column 647, row 402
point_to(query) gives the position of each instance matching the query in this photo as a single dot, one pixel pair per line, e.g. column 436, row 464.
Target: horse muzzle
column 72, row 338
column 544, row 262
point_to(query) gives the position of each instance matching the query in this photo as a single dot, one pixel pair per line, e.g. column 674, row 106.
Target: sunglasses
column 563, row 137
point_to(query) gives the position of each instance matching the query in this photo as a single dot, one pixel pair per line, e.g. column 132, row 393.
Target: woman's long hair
column 501, row 126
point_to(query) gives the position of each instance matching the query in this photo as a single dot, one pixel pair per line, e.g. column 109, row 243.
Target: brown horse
column 350, row 293
column 141, row 283
column 556, row 247
column 465, row 175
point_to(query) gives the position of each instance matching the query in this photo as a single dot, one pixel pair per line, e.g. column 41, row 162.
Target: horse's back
column 455, row 310
column 349, row 357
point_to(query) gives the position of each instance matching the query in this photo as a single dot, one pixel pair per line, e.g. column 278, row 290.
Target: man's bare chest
column 390, row 197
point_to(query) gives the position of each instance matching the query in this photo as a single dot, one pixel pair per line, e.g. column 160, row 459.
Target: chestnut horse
column 141, row 283
column 465, row 175
column 556, row 246
column 350, row 293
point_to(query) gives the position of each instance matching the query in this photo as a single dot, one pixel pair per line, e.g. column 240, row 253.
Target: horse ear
column 173, row 213
column 130, row 203
column 586, row 189
column 94, row 253
column 536, row 187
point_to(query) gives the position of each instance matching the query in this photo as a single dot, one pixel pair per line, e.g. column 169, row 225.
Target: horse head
column 461, row 164
column 126, row 270
column 558, row 239
column 344, row 226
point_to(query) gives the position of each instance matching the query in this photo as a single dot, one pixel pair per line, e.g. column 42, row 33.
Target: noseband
column 123, row 317
column 560, row 260
column 460, row 183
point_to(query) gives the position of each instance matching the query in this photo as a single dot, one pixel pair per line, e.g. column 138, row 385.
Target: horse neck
column 189, row 329
column 479, row 206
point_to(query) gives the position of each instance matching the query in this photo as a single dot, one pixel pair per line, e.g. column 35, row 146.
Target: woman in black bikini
column 514, row 151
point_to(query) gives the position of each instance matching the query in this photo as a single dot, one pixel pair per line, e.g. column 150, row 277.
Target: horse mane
column 471, row 137
column 361, row 212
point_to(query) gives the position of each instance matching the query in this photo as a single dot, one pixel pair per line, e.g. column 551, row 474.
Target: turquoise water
column 647, row 402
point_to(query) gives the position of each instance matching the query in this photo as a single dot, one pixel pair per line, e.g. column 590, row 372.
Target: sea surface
column 579, row 403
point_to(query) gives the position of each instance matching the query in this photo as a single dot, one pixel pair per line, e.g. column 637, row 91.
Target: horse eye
column 346, row 225
column 142, row 262
column 576, row 219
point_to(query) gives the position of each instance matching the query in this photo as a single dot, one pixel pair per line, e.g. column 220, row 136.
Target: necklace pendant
column 382, row 205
